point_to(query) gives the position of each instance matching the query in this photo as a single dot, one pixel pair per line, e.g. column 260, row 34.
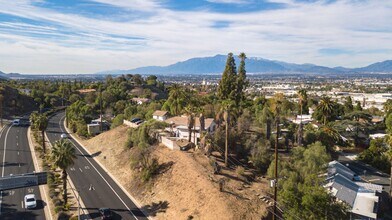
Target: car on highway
column 16, row 122
column 30, row 201
column 63, row 136
column 106, row 213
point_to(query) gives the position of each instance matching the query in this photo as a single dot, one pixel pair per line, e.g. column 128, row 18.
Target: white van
column 16, row 122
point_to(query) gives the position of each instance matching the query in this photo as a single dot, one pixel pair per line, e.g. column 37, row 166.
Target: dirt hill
column 186, row 187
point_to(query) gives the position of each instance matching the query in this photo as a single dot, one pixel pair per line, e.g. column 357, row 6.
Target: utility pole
column 276, row 166
column 227, row 118
column 100, row 108
column 1, row 110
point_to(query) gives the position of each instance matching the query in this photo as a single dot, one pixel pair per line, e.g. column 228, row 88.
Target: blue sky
column 86, row 36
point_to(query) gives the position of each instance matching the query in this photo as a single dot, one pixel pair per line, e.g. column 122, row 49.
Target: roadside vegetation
column 54, row 161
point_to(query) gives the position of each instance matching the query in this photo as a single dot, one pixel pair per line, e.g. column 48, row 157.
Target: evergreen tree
column 358, row 106
column 348, row 105
column 227, row 84
column 242, row 82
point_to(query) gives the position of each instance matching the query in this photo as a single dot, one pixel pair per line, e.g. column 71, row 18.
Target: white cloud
column 228, row 1
column 293, row 34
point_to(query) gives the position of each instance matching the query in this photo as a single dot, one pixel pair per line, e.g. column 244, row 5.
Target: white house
column 160, row 115
column 179, row 126
column 305, row 119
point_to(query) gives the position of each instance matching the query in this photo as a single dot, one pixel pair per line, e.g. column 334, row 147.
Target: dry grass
column 185, row 187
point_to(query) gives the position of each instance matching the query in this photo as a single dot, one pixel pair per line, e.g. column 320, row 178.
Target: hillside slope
column 15, row 103
column 185, row 189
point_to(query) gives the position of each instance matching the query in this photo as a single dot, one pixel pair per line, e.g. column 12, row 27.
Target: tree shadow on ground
column 164, row 167
column 156, row 208
column 233, row 177
column 236, row 195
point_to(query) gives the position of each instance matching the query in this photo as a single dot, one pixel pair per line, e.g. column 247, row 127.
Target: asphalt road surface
column 95, row 186
column 16, row 158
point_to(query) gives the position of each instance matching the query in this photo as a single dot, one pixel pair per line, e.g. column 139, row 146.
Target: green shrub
column 117, row 121
column 58, row 209
column 150, row 170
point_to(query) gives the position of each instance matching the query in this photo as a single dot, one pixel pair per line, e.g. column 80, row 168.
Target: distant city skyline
column 87, row 36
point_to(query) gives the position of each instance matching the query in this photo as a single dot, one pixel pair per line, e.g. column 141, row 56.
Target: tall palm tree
column 302, row 97
column 177, row 97
column 326, row 107
column 63, row 155
column 41, row 123
column 227, row 109
column 267, row 118
column 226, row 117
column 202, row 123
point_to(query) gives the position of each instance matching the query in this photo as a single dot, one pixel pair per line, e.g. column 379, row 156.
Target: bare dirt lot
column 185, row 187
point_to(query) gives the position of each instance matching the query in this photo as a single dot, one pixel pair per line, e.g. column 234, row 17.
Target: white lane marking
column 100, row 174
column 72, row 169
column 5, row 148
column 21, row 203
column 80, row 170
column 373, row 180
column 18, row 153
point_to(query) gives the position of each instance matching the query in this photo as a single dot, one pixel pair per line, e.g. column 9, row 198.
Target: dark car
column 106, row 213
column 134, row 120
column 139, row 122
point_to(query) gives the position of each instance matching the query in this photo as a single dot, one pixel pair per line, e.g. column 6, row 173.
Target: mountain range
column 8, row 75
column 254, row 65
column 216, row 65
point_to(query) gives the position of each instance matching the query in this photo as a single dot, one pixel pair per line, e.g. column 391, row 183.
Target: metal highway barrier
column 22, row 180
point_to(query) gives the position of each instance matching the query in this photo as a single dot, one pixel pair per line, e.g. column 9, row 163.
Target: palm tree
column 302, row 97
column 41, row 123
column 63, row 155
column 227, row 108
column 202, row 123
column 326, row 107
column 267, row 118
column 226, row 117
column 360, row 120
column 177, row 97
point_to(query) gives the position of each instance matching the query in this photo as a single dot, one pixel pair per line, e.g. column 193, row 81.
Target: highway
column 16, row 158
column 96, row 187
